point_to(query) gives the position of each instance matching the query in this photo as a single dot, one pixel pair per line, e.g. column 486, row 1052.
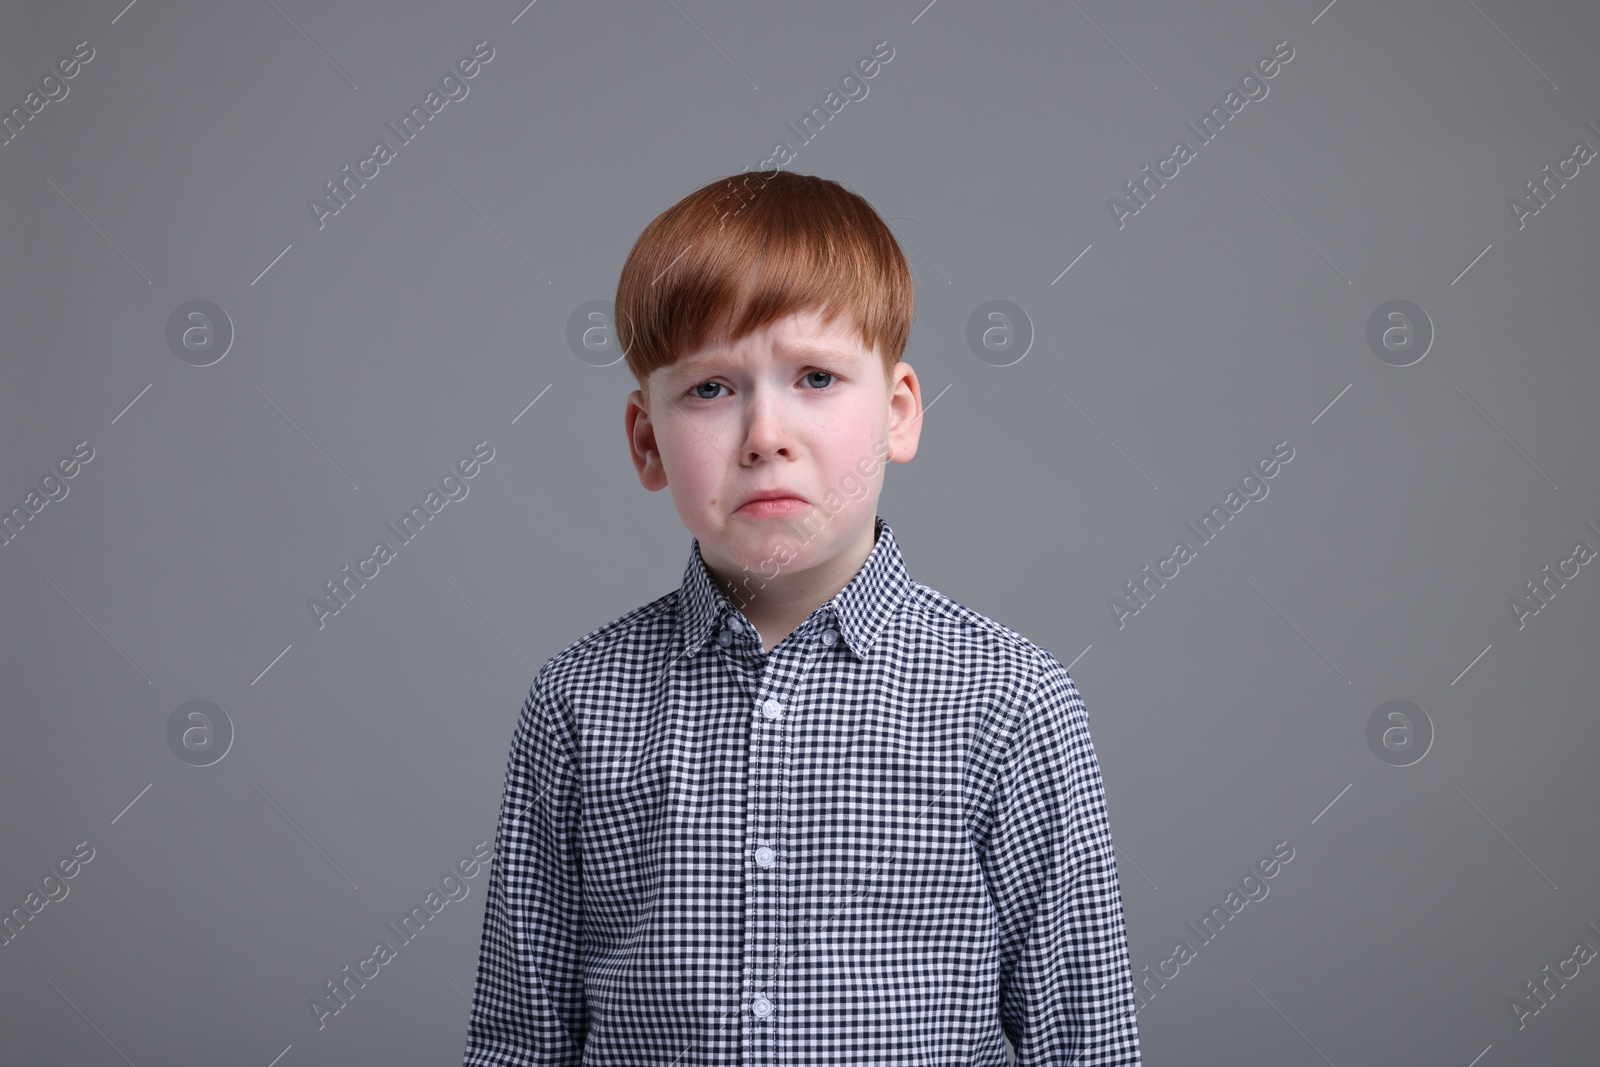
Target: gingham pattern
column 878, row 843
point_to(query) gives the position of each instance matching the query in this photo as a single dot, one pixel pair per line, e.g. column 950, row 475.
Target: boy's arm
column 1066, row 991
column 529, row 1005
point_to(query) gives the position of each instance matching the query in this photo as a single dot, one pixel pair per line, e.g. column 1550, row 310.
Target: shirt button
column 771, row 709
column 761, row 1006
column 829, row 637
column 765, row 856
column 724, row 637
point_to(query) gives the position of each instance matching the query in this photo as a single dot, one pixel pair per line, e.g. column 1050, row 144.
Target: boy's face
column 796, row 407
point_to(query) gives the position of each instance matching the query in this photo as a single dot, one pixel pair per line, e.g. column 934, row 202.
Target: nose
column 766, row 433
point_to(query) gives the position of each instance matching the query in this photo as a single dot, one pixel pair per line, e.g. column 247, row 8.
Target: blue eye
column 711, row 384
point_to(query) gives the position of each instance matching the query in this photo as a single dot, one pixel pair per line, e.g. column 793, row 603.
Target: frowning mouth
column 764, row 506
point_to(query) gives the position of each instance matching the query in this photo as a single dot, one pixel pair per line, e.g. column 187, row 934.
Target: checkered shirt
column 882, row 842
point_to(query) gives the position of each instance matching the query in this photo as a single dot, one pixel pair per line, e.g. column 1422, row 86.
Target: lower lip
column 767, row 509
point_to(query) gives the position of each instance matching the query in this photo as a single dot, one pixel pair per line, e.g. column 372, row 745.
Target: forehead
column 799, row 336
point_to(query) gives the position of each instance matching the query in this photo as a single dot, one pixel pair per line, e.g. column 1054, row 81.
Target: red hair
column 742, row 252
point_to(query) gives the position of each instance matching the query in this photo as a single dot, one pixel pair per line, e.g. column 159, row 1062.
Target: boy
column 802, row 809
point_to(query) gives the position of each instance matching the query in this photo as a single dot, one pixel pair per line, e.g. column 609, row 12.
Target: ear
column 642, row 443
column 905, row 413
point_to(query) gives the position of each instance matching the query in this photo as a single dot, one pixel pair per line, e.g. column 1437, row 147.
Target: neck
column 784, row 601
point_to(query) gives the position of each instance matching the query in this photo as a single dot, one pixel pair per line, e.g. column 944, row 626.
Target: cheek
column 691, row 456
column 843, row 459
column 851, row 439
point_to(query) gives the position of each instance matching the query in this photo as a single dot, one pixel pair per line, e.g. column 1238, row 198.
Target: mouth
column 766, row 507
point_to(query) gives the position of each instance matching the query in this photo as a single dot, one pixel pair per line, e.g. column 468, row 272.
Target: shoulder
column 947, row 624
column 1033, row 678
column 608, row 659
column 641, row 635
column 1033, row 725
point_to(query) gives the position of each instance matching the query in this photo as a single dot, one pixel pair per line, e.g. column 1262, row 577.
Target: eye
column 828, row 373
column 693, row 390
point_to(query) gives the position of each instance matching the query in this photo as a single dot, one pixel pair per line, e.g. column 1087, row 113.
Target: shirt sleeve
column 1066, row 988
column 529, row 1006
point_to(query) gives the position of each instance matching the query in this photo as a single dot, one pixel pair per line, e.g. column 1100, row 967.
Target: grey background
column 1228, row 315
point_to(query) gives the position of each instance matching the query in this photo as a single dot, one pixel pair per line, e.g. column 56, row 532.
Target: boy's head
column 764, row 317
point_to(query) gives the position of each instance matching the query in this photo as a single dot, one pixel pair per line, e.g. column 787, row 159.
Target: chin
column 763, row 551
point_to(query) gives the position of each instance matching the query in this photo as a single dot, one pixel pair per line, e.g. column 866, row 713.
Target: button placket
column 765, row 923
column 766, row 799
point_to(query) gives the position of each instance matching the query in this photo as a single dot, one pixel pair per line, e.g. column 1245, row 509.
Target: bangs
column 745, row 251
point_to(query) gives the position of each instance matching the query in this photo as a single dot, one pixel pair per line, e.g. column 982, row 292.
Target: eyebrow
column 805, row 351
column 794, row 353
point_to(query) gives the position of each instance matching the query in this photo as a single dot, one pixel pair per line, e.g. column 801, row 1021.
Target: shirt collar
column 860, row 609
